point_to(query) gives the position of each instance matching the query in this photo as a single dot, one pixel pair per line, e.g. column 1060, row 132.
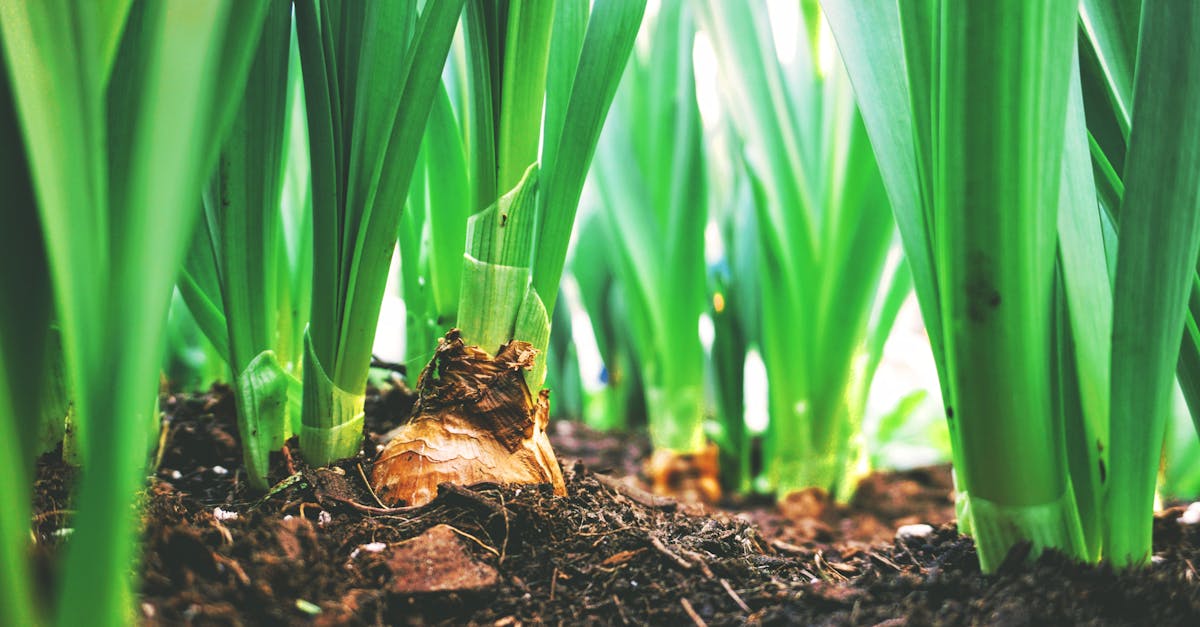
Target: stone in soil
column 438, row 561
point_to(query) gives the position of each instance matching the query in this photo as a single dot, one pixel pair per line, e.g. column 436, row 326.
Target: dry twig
column 691, row 612
column 734, row 595
column 674, row 557
column 636, row 494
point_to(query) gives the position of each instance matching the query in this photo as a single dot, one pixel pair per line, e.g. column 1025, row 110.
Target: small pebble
column 1157, row 559
column 308, row 607
column 220, row 471
column 176, row 475
column 288, row 517
column 324, row 518
column 222, row 515
column 914, row 532
column 370, row 547
column 1191, row 515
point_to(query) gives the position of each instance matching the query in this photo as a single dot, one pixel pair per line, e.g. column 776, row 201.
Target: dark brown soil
column 320, row 550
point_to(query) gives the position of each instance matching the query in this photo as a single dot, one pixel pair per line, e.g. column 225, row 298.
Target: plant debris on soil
column 320, row 549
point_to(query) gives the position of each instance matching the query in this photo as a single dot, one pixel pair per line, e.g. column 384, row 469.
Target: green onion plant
column 371, row 74
column 122, row 107
column 531, row 87
column 649, row 177
column 824, row 236
column 237, row 275
column 504, row 160
column 1053, row 284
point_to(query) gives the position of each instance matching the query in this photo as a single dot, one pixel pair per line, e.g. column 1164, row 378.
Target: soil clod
column 438, row 561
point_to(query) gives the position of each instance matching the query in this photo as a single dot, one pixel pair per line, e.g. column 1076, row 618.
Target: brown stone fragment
column 438, row 561
column 294, row 535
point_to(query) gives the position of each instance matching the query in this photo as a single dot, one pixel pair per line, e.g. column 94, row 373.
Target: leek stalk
column 825, row 233
column 649, row 177
column 1013, row 243
column 370, row 77
column 239, row 243
column 123, row 106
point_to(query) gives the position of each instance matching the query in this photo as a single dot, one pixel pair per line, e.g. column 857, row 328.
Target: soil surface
column 318, row 549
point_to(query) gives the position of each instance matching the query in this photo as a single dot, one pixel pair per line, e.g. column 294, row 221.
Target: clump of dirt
column 319, row 549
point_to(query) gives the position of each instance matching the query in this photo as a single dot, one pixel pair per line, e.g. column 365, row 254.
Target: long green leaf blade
column 611, row 30
column 1159, row 242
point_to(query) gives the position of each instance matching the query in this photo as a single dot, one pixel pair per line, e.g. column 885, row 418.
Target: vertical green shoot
column 364, row 138
column 25, row 335
column 120, row 137
column 649, row 175
column 997, row 170
column 1159, row 242
column 825, row 232
column 242, row 232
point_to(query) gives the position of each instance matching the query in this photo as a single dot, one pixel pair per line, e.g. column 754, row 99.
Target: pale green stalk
column 825, row 232
column 1159, row 243
column 364, row 137
column 649, row 176
column 120, row 137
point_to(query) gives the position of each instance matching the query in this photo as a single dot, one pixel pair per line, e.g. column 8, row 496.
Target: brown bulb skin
column 475, row 421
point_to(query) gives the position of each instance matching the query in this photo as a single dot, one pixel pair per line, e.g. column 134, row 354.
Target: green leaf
column 526, row 50
column 1112, row 26
column 1087, row 299
column 871, row 45
column 581, row 104
column 1159, row 243
column 447, row 206
column 200, row 286
column 26, row 363
column 118, row 157
column 364, row 138
column 496, row 269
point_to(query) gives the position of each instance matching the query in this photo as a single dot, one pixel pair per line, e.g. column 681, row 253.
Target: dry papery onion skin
column 475, row 421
